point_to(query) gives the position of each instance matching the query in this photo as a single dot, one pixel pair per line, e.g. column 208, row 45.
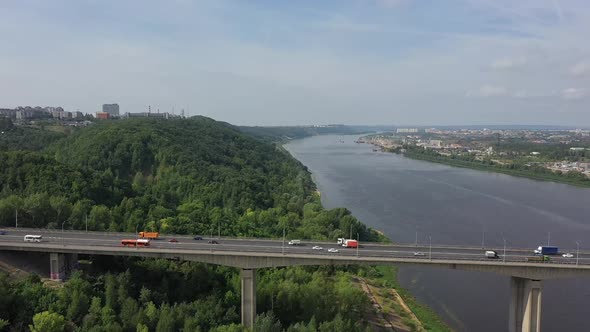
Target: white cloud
column 580, row 68
column 344, row 24
column 574, row 93
column 509, row 63
column 389, row 3
column 488, row 91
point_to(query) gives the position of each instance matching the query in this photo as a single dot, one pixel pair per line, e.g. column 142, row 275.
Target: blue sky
column 292, row 62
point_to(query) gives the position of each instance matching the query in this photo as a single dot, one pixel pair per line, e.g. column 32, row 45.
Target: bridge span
column 251, row 254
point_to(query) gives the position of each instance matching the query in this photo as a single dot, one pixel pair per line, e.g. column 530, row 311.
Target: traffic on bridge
column 292, row 246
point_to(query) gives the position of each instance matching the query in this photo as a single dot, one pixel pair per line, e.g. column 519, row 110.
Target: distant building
column 103, row 115
column 407, row 130
column 9, row 113
column 112, row 109
column 435, row 143
column 164, row 115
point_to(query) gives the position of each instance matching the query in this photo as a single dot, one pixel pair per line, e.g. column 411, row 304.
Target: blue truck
column 547, row 250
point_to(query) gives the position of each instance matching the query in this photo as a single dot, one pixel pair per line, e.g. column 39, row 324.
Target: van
column 294, row 242
column 492, row 254
column 33, row 238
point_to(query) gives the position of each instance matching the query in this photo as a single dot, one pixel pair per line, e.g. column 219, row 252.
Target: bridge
column 251, row 254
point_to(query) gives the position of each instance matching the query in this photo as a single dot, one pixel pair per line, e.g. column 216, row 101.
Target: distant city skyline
column 399, row 62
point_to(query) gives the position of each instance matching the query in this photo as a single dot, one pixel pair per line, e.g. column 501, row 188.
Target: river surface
column 402, row 197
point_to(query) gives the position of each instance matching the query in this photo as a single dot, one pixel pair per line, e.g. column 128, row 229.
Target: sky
column 298, row 62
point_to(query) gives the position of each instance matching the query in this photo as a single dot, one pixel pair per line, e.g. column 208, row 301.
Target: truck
column 294, row 242
column 350, row 244
column 149, row 235
column 542, row 258
column 492, row 254
column 135, row 243
column 340, row 241
column 546, row 250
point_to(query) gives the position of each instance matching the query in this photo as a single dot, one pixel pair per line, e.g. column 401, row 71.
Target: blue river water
column 404, row 197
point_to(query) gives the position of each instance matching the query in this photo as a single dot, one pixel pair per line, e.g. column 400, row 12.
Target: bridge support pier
column 61, row 265
column 525, row 305
column 248, row 277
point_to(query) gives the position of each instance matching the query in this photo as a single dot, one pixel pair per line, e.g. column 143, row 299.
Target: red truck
column 350, row 244
column 136, row 243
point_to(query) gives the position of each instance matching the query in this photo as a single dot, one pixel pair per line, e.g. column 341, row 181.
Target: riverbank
column 550, row 176
column 428, row 320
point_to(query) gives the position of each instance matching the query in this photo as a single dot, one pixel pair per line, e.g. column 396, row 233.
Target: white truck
column 294, row 242
column 491, row 254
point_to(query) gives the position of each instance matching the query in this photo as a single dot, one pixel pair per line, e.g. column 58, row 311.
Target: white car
column 568, row 255
column 419, row 254
column 332, row 250
column 317, row 248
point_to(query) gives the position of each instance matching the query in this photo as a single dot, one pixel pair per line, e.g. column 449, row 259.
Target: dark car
column 197, row 238
column 173, row 240
column 2, row 232
column 213, row 242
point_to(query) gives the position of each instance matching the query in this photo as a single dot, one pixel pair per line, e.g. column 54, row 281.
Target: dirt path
column 386, row 318
column 413, row 317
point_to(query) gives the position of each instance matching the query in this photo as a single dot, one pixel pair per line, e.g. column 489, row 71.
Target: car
column 419, row 254
column 568, row 255
column 332, row 250
column 317, row 248
column 213, row 242
column 198, row 238
column 173, row 240
column 2, row 232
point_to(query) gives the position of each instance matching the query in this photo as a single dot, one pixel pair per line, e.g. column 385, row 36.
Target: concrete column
column 61, row 265
column 248, row 297
column 525, row 305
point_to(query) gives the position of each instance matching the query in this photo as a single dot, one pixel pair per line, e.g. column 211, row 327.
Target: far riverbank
column 541, row 176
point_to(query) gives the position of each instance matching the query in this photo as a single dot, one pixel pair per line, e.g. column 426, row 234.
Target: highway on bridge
column 437, row 252
column 251, row 254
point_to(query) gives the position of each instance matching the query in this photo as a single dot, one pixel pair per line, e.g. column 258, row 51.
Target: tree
column 228, row 328
column 48, row 322
column 94, row 315
column 129, row 311
column 78, row 306
column 3, row 323
column 110, row 285
column 62, row 208
column 8, row 209
column 266, row 322
column 141, row 328
column 166, row 320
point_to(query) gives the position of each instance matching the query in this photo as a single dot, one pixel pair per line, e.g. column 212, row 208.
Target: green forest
column 185, row 176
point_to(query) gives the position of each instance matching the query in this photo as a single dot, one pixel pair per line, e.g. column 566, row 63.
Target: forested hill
column 176, row 176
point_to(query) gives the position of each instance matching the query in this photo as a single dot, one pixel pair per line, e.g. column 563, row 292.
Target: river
column 403, row 197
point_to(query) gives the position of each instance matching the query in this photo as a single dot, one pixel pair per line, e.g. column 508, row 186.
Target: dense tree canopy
column 176, row 176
